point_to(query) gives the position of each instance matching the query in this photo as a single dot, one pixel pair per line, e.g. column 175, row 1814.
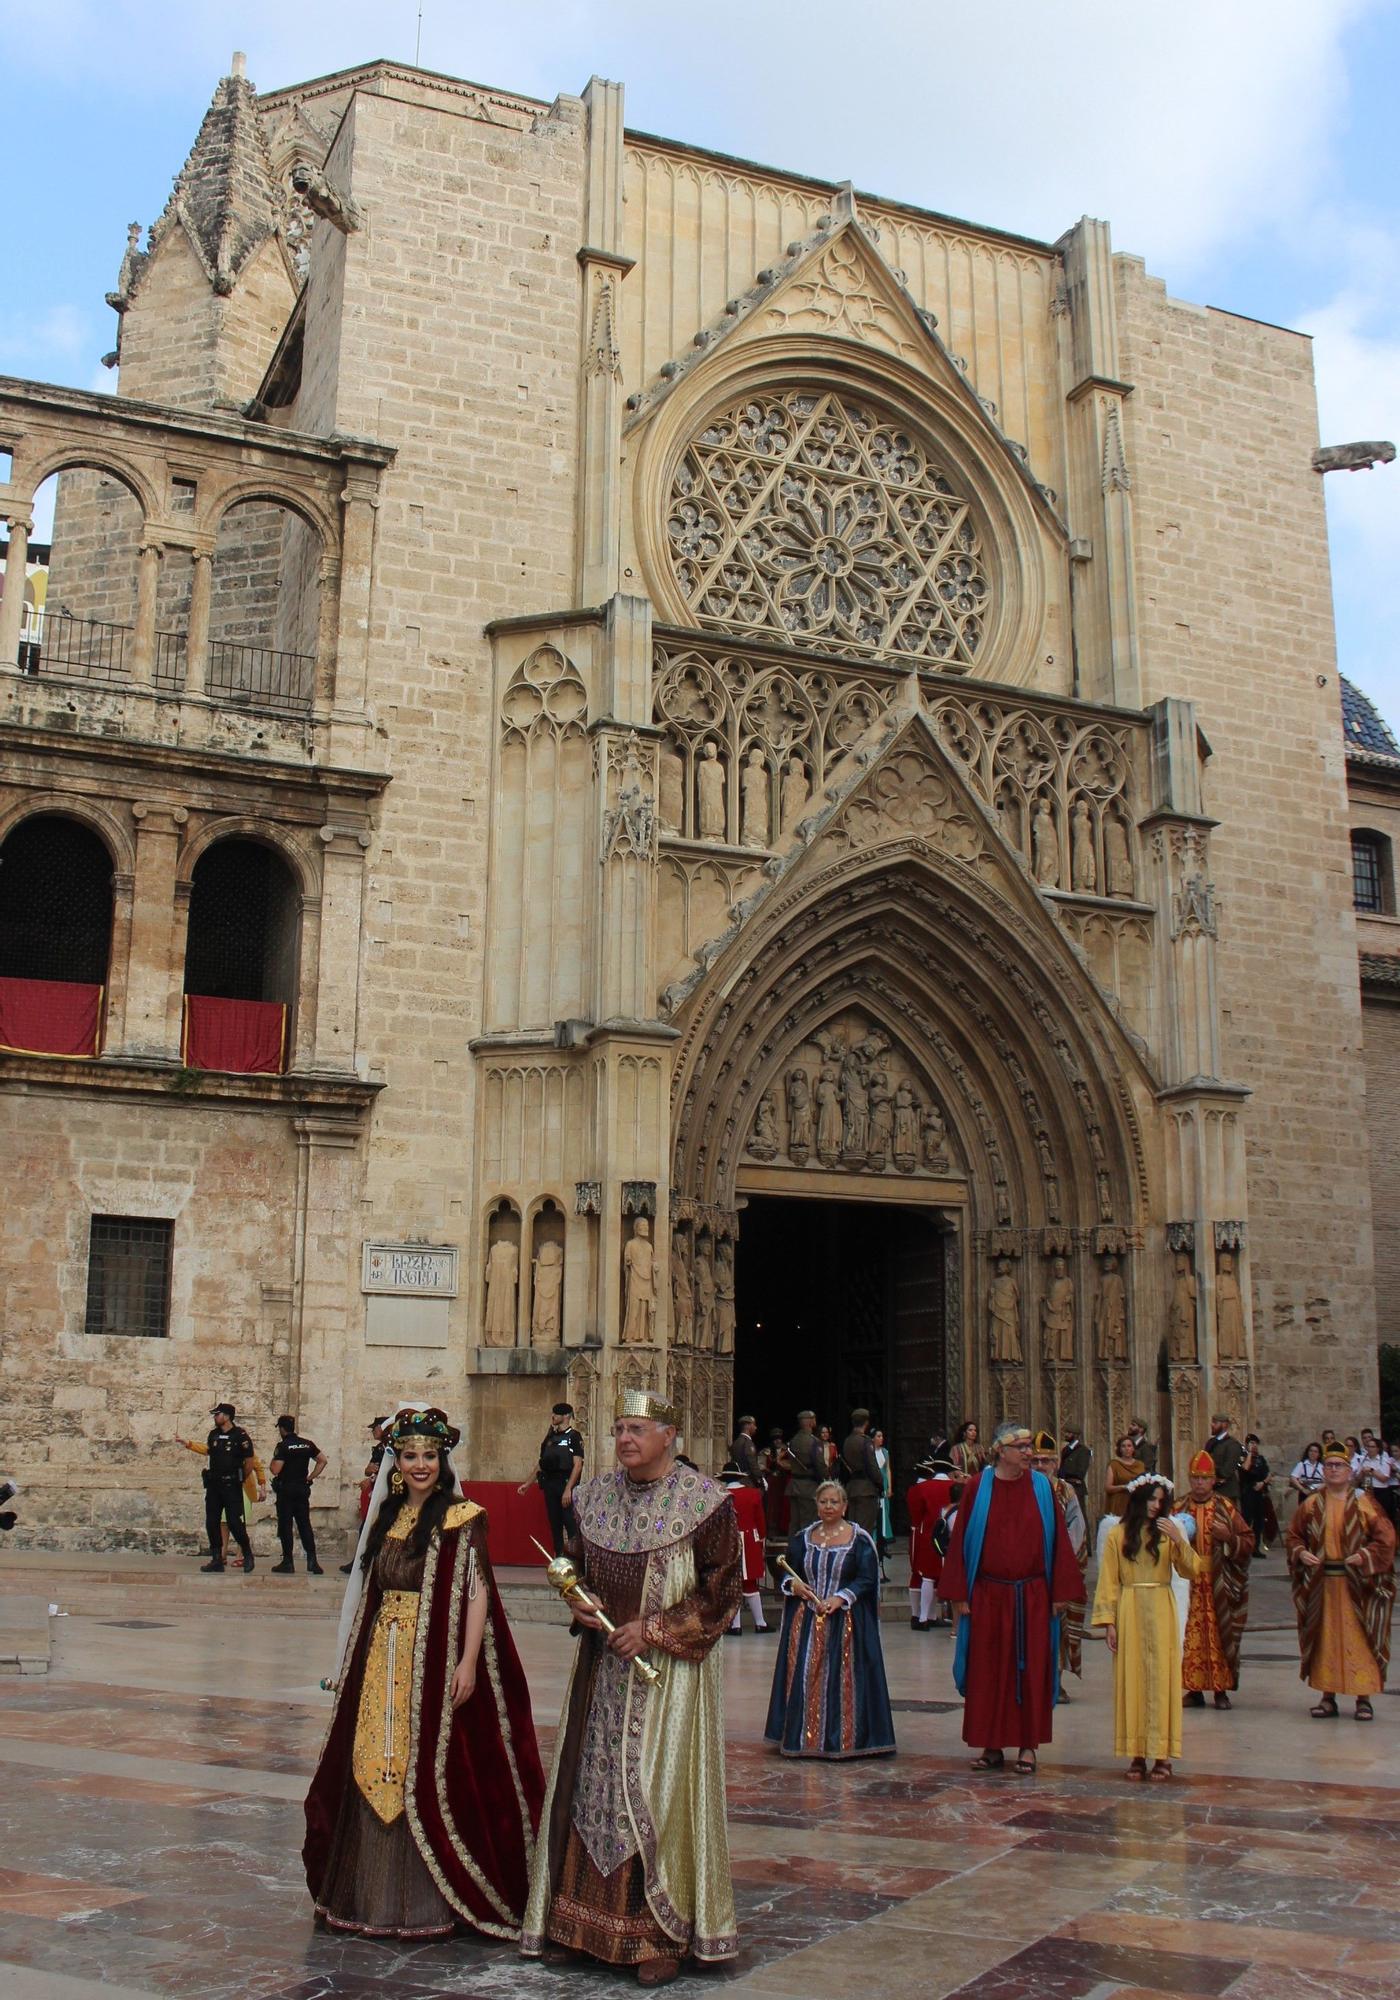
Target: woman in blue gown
column 829, row 1696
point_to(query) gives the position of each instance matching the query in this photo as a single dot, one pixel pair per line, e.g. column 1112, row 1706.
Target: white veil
column 355, row 1582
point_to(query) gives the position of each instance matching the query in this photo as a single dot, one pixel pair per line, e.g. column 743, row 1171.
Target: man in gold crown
column 632, row 1862
column 1341, row 1555
column 1219, row 1605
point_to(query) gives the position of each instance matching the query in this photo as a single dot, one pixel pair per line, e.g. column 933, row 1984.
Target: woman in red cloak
column 421, row 1816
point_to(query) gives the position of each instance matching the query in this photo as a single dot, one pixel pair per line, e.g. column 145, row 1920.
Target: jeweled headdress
column 423, row 1423
column 1043, row 1444
column 645, row 1403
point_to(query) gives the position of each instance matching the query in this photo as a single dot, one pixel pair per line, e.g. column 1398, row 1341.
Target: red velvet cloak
column 1013, row 1550
column 474, row 1789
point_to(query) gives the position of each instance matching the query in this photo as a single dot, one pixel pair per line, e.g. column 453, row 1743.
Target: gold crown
column 645, row 1403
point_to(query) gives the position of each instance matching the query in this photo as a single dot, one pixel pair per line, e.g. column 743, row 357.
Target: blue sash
column 974, row 1534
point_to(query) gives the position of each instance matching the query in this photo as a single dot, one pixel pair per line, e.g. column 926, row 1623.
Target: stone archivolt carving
column 639, row 1287
column 821, row 518
column 1111, row 1312
column 908, row 794
column 1004, row 1316
column 838, row 296
column 502, row 1278
column 1057, row 1316
column 848, row 1100
column 1231, row 1341
column 629, row 823
column 1181, row 1313
column 544, row 694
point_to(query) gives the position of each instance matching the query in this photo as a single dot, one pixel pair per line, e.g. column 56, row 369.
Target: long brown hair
column 1137, row 1528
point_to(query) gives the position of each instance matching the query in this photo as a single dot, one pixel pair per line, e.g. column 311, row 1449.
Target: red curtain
column 248, row 1036
column 511, row 1519
column 50, row 1017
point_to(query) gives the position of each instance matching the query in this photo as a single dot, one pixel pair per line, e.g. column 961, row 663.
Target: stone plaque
column 410, row 1270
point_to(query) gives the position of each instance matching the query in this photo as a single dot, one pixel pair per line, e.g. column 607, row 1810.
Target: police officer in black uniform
column 230, row 1459
column 296, row 1465
column 561, row 1463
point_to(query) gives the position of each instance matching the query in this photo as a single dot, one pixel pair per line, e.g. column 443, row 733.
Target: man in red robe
column 1010, row 1570
column 749, row 1513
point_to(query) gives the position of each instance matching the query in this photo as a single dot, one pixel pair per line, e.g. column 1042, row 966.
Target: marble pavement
column 153, row 1782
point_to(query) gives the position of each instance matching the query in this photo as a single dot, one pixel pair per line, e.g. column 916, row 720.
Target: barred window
column 128, row 1289
column 1370, row 873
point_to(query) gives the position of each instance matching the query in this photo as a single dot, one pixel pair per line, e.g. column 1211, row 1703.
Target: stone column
column 197, row 635
column 12, row 603
column 603, row 265
column 154, row 967
column 350, row 671
column 328, row 1175
column 143, row 642
column 338, row 965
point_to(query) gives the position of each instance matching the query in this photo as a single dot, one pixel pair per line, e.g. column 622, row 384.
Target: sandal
column 1160, row 1772
column 1222, row 1700
column 1025, row 1765
column 1326, row 1710
column 1137, row 1770
column 990, row 1760
column 658, row 1971
column 1364, row 1710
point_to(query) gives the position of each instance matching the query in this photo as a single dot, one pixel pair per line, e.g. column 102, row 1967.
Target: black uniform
column 557, row 1455
column 291, row 1483
column 223, row 1491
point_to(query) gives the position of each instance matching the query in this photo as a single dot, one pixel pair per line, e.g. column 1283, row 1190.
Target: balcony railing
column 244, row 674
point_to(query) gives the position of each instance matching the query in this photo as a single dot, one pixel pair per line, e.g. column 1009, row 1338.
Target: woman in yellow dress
column 1135, row 1605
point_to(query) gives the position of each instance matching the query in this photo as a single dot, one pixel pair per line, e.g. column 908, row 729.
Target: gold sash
column 382, row 1726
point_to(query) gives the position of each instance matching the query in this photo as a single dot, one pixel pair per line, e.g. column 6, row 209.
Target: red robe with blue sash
column 1009, row 1649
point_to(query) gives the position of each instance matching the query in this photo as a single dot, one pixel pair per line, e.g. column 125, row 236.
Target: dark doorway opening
column 843, row 1304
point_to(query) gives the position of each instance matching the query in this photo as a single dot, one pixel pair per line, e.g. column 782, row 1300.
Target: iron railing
column 245, row 675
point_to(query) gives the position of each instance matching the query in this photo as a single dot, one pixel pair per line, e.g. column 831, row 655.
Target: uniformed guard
column 744, row 1450
column 297, row 1463
column 230, row 1452
column 560, row 1467
column 807, row 1457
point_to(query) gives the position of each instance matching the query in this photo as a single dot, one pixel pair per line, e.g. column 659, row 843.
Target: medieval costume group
column 430, row 1811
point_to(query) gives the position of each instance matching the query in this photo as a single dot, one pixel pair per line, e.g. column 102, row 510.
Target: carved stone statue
column 724, row 1296
column 502, row 1276
column 881, row 1120
column 682, row 1290
column 671, row 790
column 1117, row 857
column 753, row 788
column 829, row 1113
column 1111, row 1313
column 1045, row 845
column 799, row 1103
column 639, row 1287
column 548, row 1295
column 906, row 1128
column 710, row 784
column 855, row 1106
column 1230, row 1341
column 765, row 1142
column 1083, row 868
column 704, row 1299
column 1057, row 1316
column 935, row 1137
column 1181, row 1315
column 797, row 794
column 1004, row 1315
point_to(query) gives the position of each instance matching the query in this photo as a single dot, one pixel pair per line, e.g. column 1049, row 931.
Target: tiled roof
column 1362, row 726
column 1379, row 969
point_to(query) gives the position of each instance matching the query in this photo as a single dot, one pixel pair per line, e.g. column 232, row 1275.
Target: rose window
column 818, row 518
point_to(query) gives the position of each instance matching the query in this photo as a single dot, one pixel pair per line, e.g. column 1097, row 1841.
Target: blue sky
column 1248, row 150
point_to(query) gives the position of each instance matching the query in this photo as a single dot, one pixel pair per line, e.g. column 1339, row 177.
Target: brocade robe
column 1343, row 1612
column 1219, row 1607
column 632, row 1861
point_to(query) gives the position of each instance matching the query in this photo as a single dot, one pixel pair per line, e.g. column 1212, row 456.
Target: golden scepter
column 562, row 1574
column 783, row 1563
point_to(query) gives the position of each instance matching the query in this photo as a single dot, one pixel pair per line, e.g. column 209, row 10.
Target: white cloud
column 43, row 345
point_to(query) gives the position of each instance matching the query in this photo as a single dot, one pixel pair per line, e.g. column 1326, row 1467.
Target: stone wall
column 1381, row 1023
column 1235, row 614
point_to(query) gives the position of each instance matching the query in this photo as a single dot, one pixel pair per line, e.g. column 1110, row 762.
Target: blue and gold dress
column 830, row 1698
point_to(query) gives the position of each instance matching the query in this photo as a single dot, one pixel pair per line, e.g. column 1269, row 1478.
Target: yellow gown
column 1137, row 1597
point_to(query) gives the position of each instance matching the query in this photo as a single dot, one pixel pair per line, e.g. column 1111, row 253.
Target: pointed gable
column 226, row 196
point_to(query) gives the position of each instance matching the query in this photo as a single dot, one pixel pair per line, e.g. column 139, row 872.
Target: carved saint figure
column 764, row 1142
column 548, row 1295
column 1181, row 1315
column 502, row 1274
column 829, row 1113
column 1057, row 1316
column 671, row 790
column 639, row 1286
column 906, row 1127
column 935, row 1134
column 1111, row 1313
column 682, row 1290
column 1083, row 868
column 753, row 787
column 881, row 1120
column 724, row 1296
column 1004, row 1315
column 1117, row 857
column 704, row 1298
column 1045, row 845
column 855, row 1104
column 711, row 788
column 799, row 1103
column 797, row 794
column 1230, row 1344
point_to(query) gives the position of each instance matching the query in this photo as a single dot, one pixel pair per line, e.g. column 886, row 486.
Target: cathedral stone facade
column 645, row 770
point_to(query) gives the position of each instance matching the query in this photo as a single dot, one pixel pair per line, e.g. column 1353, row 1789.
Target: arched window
column 240, row 958
column 1372, row 877
column 55, row 936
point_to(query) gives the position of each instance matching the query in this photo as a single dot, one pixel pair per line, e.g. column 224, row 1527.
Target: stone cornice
column 154, row 1080
column 193, row 761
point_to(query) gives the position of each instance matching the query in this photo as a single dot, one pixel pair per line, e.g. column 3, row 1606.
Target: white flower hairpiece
column 1151, row 1479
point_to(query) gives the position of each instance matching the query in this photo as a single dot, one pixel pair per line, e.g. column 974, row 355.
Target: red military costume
column 926, row 1502
column 750, row 1513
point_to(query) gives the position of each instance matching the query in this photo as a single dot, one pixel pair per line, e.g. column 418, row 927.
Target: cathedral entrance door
column 844, row 1304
